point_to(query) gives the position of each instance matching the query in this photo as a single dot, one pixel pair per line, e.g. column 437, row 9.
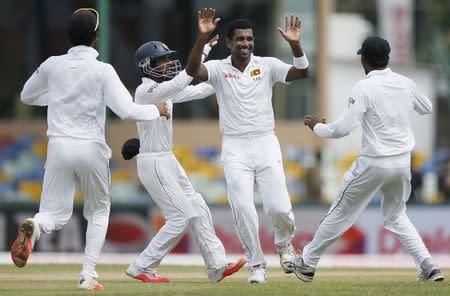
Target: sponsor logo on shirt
column 153, row 87
column 229, row 75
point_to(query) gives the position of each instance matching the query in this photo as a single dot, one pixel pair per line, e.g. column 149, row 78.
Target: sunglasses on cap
column 94, row 12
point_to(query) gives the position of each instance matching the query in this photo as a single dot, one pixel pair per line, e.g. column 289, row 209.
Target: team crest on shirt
column 255, row 72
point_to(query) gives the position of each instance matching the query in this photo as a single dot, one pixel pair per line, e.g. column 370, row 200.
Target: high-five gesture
column 206, row 22
column 291, row 33
column 292, row 29
column 206, row 25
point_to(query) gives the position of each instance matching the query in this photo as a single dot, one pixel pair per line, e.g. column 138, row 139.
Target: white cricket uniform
column 383, row 103
column 167, row 183
column 251, row 154
column 76, row 88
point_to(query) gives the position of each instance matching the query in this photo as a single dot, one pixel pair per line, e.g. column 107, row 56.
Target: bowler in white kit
column 251, row 154
column 383, row 103
column 76, row 88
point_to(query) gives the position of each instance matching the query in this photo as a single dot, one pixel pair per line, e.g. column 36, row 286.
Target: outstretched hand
column 292, row 29
column 206, row 21
column 312, row 120
column 213, row 41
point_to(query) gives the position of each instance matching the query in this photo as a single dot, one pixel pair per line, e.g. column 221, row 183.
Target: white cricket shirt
column 76, row 87
column 383, row 102
column 156, row 135
column 245, row 98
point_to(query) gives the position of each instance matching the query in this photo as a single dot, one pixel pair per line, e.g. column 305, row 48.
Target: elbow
column 306, row 73
column 127, row 115
column 25, row 98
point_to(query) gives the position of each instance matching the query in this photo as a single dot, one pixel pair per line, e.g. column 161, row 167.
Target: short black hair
column 82, row 28
column 237, row 24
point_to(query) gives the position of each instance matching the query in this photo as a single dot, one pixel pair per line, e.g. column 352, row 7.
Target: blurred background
column 332, row 31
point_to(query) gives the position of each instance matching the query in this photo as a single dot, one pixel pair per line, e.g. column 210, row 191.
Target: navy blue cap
column 375, row 47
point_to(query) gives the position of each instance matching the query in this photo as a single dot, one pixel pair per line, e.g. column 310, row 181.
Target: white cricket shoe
column 89, row 283
column 302, row 270
column 287, row 257
column 430, row 272
column 257, row 275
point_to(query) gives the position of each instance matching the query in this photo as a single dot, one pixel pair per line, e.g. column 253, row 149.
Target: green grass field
column 61, row 280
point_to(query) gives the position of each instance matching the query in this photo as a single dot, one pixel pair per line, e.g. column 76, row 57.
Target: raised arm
column 206, row 25
column 194, row 92
column 151, row 93
column 291, row 34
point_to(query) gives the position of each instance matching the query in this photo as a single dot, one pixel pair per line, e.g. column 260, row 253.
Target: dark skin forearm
column 206, row 25
column 294, row 73
column 296, row 48
column 195, row 56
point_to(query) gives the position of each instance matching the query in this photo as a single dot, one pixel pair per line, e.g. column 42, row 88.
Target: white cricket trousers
column 389, row 175
column 182, row 207
column 254, row 162
column 72, row 163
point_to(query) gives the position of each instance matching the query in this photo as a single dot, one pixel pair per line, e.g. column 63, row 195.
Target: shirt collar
column 379, row 72
column 250, row 63
column 81, row 49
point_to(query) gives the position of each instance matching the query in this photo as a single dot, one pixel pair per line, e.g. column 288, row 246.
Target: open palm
column 206, row 21
column 292, row 29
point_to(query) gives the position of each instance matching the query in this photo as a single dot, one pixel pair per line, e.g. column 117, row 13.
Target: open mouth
column 244, row 51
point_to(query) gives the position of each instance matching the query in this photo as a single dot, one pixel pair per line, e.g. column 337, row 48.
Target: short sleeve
column 278, row 70
column 213, row 68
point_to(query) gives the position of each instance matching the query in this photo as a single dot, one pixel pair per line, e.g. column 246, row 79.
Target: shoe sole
column 285, row 269
column 241, row 262
column 303, row 277
column 438, row 277
column 256, row 282
column 97, row 287
column 146, row 279
column 21, row 248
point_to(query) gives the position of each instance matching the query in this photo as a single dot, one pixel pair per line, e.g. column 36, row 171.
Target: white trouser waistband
column 252, row 135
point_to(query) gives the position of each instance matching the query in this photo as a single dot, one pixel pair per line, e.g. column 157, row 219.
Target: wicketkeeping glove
column 130, row 148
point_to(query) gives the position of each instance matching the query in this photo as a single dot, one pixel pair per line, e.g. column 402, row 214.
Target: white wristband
column 301, row 62
column 206, row 49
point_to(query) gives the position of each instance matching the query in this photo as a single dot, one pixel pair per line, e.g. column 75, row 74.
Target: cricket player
column 76, row 87
column 383, row 103
column 159, row 170
column 251, row 154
